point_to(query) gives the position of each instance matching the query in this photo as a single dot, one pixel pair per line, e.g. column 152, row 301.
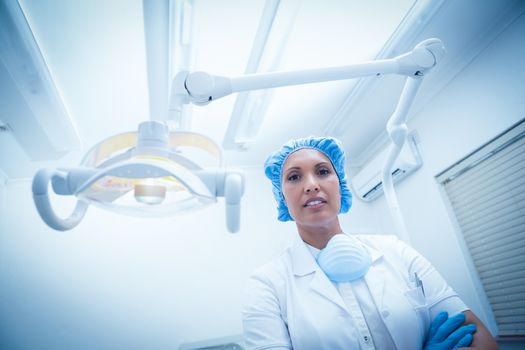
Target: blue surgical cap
column 329, row 146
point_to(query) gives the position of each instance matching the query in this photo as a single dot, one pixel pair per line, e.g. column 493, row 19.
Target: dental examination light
column 155, row 171
column 143, row 174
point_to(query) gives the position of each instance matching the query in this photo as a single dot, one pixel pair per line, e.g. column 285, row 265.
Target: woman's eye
column 324, row 171
column 293, row 177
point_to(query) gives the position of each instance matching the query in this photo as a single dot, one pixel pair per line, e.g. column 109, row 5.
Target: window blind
column 487, row 192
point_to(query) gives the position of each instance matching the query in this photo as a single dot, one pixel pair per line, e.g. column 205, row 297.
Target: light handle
column 233, row 191
column 230, row 185
column 43, row 204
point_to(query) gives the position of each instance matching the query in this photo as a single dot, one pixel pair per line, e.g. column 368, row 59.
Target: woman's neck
column 319, row 235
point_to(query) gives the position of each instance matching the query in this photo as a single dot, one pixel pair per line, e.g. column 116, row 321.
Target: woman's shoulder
column 387, row 245
column 391, row 247
column 378, row 241
column 276, row 269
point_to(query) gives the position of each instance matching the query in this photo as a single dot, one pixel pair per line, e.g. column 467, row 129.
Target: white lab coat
column 292, row 304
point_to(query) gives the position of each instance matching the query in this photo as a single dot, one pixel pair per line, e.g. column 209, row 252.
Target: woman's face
column 311, row 187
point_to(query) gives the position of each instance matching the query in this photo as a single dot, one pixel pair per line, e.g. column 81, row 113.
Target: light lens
column 150, row 193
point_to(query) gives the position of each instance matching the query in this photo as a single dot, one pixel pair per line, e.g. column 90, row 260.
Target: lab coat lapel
column 304, row 264
column 375, row 277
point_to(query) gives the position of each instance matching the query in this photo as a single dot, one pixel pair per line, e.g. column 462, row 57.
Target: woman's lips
column 315, row 203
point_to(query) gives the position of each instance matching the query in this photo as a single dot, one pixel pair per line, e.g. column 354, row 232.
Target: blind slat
column 487, row 182
column 510, row 305
column 503, row 291
column 502, row 299
column 513, row 274
column 499, row 253
column 502, row 270
column 512, row 326
column 497, row 216
column 510, row 312
column 503, row 263
column 493, row 200
column 503, row 284
column 513, row 152
column 511, row 232
column 510, row 333
column 512, row 217
column 511, row 319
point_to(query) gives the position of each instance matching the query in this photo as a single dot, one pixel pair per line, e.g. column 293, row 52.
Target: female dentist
column 330, row 290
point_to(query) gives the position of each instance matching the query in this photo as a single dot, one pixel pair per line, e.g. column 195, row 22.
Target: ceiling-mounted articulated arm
column 201, row 88
column 397, row 131
column 425, row 54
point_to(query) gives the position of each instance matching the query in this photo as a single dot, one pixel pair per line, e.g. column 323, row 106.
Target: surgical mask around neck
column 344, row 259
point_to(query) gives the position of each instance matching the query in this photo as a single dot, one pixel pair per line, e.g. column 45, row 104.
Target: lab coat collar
column 303, row 263
column 302, row 260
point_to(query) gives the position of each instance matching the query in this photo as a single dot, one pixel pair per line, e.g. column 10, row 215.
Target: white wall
column 485, row 99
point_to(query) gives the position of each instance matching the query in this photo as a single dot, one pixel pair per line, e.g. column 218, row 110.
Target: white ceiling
column 96, row 54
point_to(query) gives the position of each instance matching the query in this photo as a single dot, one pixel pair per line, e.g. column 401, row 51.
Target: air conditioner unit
column 368, row 184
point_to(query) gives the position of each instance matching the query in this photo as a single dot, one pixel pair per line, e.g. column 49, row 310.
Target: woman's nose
column 311, row 185
column 315, row 189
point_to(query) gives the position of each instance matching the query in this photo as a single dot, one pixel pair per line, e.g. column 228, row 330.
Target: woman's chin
column 317, row 218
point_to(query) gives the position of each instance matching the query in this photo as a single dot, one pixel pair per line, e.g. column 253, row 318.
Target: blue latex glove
column 445, row 333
